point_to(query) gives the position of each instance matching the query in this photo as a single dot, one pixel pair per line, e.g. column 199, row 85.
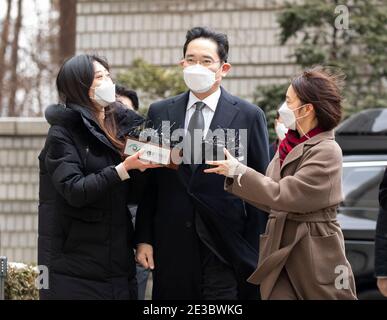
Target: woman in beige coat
column 302, row 253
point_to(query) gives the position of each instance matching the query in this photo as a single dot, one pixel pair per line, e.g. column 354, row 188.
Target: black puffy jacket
column 85, row 227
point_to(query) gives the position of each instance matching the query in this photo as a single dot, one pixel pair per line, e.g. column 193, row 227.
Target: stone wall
column 21, row 140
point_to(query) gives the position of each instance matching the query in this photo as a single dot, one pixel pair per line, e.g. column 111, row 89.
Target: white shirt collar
column 211, row 101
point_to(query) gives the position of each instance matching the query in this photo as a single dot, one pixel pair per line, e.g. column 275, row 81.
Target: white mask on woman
column 105, row 93
column 198, row 78
column 287, row 116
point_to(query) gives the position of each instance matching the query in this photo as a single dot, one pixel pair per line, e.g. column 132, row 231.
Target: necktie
column 196, row 123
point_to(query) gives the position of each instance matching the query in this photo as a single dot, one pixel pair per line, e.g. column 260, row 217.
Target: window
column 361, row 189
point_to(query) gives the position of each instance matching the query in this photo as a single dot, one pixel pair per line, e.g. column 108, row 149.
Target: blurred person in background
column 127, row 97
column 280, row 131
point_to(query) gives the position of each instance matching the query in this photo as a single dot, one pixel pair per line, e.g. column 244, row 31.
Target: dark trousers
column 218, row 281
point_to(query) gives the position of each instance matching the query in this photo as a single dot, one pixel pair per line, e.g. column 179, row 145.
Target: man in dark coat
column 204, row 240
column 381, row 239
column 85, row 228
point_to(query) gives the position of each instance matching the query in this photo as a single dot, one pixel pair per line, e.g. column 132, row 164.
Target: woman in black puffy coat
column 85, row 228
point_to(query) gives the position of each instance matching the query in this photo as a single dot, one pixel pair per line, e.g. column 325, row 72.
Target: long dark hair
column 73, row 82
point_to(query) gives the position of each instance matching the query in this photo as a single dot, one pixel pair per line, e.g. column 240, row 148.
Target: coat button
column 188, row 224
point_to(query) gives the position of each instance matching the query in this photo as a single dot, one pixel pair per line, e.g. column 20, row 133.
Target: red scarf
column 293, row 139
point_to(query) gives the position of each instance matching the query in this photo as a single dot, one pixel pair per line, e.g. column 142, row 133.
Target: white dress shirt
column 208, row 111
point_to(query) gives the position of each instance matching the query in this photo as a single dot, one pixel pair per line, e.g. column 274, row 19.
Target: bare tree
column 3, row 48
column 67, row 24
column 29, row 68
column 15, row 60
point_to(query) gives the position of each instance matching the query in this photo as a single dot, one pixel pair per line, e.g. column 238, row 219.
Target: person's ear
column 181, row 63
column 225, row 69
column 309, row 107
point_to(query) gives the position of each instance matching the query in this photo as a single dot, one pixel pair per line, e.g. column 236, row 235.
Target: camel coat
column 302, row 250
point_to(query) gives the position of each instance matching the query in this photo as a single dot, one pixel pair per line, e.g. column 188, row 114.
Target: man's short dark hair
column 202, row 32
column 132, row 95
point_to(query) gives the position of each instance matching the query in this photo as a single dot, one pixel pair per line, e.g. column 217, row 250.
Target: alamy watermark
column 342, row 280
column 42, row 280
column 195, row 149
column 342, row 18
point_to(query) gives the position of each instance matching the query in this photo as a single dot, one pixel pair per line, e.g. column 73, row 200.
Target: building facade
column 155, row 31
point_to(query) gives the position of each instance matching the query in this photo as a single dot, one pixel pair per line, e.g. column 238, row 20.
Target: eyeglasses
column 204, row 62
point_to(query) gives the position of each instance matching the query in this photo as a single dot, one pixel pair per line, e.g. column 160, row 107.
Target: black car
column 363, row 139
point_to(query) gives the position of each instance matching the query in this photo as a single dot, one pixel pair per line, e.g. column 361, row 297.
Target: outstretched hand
column 230, row 167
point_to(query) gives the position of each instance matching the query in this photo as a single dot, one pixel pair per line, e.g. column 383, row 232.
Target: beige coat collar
column 298, row 151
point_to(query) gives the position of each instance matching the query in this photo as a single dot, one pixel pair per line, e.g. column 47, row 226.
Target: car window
column 361, row 189
column 366, row 122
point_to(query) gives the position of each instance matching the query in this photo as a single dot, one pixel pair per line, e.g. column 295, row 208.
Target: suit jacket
column 302, row 235
column 167, row 216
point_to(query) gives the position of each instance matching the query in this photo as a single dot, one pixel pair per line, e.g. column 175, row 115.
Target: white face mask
column 281, row 130
column 105, row 93
column 198, row 78
column 287, row 116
